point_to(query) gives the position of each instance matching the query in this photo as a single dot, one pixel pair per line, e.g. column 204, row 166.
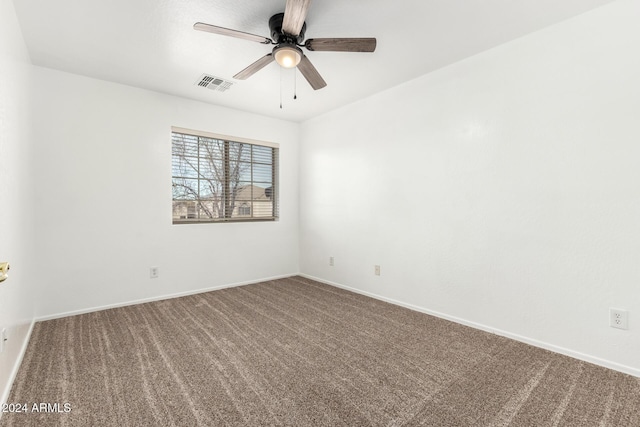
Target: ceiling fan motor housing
column 275, row 26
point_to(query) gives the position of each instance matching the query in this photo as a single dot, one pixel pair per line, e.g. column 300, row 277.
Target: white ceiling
column 151, row 43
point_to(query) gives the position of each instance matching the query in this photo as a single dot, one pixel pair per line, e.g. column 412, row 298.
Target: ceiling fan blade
column 295, row 12
column 342, row 45
column 311, row 74
column 233, row 33
column 255, row 67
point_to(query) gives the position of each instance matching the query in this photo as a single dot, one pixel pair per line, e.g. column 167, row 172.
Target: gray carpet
column 296, row 352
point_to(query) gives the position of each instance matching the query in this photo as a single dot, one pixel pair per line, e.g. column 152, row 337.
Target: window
column 219, row 179
column 244, row 210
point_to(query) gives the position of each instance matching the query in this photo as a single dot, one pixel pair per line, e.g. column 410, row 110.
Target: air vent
column 213, row 83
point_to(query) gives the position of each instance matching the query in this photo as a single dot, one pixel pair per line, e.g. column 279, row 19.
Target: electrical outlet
column 331, row 261
column 619, row 318
column 3, row 339
column 376, row 270
column 153, row 272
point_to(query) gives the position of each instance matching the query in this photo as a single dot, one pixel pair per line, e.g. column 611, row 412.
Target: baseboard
column 540, row 344
column 16, row 366
column 159, row 298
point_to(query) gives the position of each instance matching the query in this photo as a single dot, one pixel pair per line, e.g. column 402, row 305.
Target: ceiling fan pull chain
column 295, row 83
column 281, row 88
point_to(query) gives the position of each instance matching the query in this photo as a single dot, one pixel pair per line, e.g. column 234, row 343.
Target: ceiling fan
column 287, row 33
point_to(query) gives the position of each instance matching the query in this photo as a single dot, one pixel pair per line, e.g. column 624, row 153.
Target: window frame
column 273, row 193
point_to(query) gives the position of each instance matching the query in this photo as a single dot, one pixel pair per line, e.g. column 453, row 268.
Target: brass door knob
column 4, row 267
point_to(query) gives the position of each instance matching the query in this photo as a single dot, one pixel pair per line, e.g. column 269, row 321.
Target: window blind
column 219, row 179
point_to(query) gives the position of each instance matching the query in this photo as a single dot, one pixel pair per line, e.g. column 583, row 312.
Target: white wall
column 16, row 195
column 502, row 191
column 104, row 197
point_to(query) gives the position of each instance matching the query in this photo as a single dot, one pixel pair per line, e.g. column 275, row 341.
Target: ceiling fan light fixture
column 287, row 56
